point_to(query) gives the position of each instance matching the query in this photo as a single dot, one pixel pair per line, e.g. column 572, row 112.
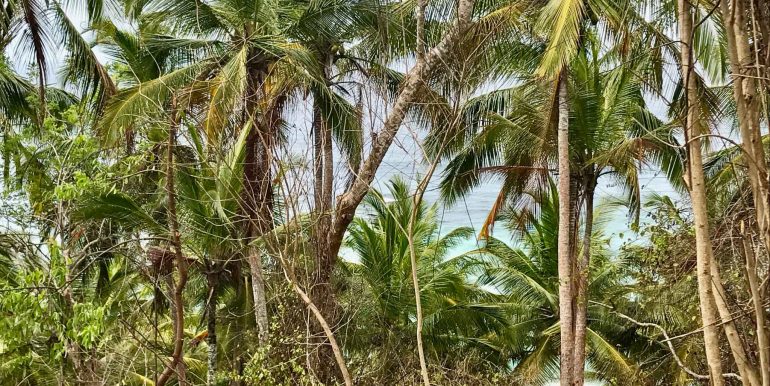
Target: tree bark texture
column 697, row 189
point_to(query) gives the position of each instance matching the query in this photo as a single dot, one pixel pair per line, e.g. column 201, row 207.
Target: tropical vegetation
column 224, row 192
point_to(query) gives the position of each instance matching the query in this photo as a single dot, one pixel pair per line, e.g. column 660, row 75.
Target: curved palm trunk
column 581, row 282
column 697, row 190
column 566, row 295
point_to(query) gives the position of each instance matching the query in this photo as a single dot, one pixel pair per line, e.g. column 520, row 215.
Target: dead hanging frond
column 489, row 222
column 161, row 261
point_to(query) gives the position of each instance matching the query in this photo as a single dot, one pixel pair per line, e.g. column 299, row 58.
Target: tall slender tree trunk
column 417, row 201
column 581, row 280
column 410, row 231
column 697, row 189
column 323, row 192
column 565, row 263
column 747, row 105
column 322, row 292
column 177, row 362
column 258, row 186
column 760, row 17
column 417, row 298
column 763, row 341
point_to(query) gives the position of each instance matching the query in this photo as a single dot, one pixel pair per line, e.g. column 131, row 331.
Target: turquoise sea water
column 472, row 210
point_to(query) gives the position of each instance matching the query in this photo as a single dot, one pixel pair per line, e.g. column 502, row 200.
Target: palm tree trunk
column 258, row 186
column 211, row 328
column 763, row 341
column 747, row 104
column 323, row 194
column 566, row 317
column 322, row 292
column 697, row 189
column 581, row 281
column 258, row 294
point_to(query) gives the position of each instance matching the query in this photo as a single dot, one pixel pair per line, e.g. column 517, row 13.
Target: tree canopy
column 225, row 192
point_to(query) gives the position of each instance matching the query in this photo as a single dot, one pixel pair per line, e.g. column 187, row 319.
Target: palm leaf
column 144, row 102
column 562, row 19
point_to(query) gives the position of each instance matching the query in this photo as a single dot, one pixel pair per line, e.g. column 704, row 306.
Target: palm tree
column 527, row 278
column 566, row 24
column 245, row 66
column 208, row 196
column 44, row 26
column 459, row 314
column 612, row 135
column 209, row 199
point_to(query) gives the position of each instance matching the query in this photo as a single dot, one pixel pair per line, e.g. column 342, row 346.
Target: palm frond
column 562, row 20
column 144, row 102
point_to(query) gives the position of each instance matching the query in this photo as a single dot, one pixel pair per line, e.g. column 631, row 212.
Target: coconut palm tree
column 248, row 60
column 459, row 314
column 526, row 275
column 567, row 25
column 612, row 135
column 208, row 198
column 45, row 26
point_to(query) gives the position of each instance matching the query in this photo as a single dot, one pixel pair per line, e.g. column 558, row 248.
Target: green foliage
column 459, row 314
column 527, row 277
column 87, row 266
